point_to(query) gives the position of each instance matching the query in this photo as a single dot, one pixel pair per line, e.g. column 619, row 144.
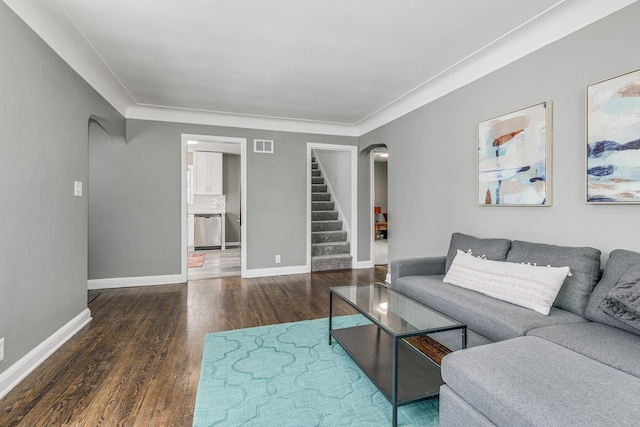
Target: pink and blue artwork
column 514, row 155
column 613, row 140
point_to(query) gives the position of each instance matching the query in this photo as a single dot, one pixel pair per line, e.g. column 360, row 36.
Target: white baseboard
column 388, row 278
column 23, row 367
column 276, row 271
column 363, row 264
column 128, row 282
column 232, row 244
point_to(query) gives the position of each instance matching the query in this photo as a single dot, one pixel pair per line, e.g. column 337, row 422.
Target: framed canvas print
column 514, row 158
column 613, row 140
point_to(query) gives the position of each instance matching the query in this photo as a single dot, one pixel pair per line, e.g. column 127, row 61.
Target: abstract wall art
column 514, row 158
column 613, row 140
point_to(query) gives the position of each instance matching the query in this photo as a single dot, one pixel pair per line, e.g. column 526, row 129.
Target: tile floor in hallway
column 217, row 263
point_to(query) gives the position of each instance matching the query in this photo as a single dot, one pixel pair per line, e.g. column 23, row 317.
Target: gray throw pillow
column 493, row 249
column 623, row 301
column 620, row 260
column 583, row 262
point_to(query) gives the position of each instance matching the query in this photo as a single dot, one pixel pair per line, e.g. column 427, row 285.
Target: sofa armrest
column 416, row 267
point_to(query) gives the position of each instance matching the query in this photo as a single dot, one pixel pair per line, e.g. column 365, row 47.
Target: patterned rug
column 288, row 375
column 195, row 260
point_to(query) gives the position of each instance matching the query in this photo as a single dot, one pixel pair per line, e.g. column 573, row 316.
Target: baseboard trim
column 23, row 367
column 363, row 264
column 277, row 271
column 128, row 282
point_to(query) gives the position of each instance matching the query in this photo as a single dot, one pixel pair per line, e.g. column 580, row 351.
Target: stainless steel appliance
column 208, row 230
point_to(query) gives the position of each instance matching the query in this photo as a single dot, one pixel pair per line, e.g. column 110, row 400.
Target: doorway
column 338, row 170
column 214, row 205
column 379, row 158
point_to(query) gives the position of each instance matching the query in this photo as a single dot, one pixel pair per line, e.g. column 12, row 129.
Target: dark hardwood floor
column 138, row 362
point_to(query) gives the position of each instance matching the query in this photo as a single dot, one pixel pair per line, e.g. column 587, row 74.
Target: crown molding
column 49, row 20
column 162, row 114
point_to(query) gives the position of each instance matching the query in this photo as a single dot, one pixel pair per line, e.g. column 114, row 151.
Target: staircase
column 330, row 249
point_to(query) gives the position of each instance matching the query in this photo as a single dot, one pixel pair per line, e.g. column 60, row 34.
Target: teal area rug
column 288, row 375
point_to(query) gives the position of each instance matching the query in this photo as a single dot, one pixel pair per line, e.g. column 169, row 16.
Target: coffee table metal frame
column 388, row 359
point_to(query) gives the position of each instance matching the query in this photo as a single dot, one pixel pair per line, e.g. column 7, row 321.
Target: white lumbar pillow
column 525, row 285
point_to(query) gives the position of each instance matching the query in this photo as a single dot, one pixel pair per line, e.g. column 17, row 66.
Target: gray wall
column 380, row 185
column 231, row 188
column 432, row 151
column 276, row 193
column 365, row 214
column 44, row 114
column 337, row 172
column 123, row 225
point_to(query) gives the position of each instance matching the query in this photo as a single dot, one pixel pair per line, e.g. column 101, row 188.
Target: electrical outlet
column 1, row 349
column 278, row 259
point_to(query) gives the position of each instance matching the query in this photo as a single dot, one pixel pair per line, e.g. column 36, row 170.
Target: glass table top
column 394, row 312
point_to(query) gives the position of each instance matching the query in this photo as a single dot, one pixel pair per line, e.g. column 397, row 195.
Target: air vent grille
column 263, row 146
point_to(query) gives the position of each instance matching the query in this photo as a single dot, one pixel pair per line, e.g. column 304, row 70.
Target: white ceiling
column 331, row 66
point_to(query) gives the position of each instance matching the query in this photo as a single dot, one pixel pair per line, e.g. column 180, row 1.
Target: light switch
column 77, row 188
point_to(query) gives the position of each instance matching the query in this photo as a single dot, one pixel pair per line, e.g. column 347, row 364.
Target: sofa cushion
column 619, row 262
column 525, row 285
column 528, row 381
column 493, row 249
column 583, row 262
column 611, row 346
column 492, row 318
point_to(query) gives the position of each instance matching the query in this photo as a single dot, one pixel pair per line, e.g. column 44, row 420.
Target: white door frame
column 372, row 200
column 353, row 150
column 243, row 192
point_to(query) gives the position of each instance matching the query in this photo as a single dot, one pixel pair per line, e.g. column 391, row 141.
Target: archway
column 379, row 223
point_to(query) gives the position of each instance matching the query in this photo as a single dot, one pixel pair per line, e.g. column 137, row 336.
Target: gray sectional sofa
column 577, row 366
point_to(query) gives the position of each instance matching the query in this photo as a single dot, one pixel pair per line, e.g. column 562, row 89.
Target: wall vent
column 263, row 146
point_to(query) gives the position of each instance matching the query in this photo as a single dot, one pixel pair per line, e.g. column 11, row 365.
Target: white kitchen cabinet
column 208, row 172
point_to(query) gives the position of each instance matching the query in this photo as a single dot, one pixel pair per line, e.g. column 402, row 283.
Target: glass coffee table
column 401, row 372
